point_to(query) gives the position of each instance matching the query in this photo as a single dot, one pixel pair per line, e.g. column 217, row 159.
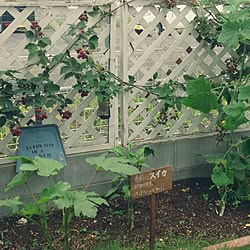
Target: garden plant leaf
column 200, row 95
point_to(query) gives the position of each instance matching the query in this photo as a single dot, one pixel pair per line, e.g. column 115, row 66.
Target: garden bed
column 188, row 211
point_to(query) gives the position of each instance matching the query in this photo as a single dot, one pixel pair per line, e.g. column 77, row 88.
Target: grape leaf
column 229, row 35
column 200, row 95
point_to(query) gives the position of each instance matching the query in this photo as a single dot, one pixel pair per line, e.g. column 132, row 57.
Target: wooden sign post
column 150, row 183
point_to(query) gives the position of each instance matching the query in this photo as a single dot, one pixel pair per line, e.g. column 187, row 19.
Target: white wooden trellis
column 174, row 52
column 84, row 131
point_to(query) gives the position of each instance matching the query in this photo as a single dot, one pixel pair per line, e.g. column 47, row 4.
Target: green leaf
column 231, row 123
column 28, row 167
column 57, row 59
column 50, row 87
column 93, row 42
column 119, row 150
column 96, row 161
column 9, row 73
column 233, row 5
column 204, row 2
column 216, row 159
column 17, row 180
column 237, row 164
column 2, row 120
column 235, row 109
column 83, row 206
column 221, row 178
column 86, row 203
column 229, row 35
column 245, row 31
column 68, row 101
column 126, row 191
column 200, row 96
column 65, row 69
column 148, row 151
column 131, row 79
column 21, row 158
column 31, row 47
column 155, row 75
column 43, row 42
column 164, row 91
column 56, row 190
column 30, row 35
column 240, row 175
column 235, row 115
column 68, row 75
column 94, row 197
column 43, row 60
column 12, row 203
column 50, row 103
column 65, row 201
column 47, row 167
column 111, row 191
column 32, row 56
column 244, row 93
column 120, row 166
column 245, row 146
column 31, row 208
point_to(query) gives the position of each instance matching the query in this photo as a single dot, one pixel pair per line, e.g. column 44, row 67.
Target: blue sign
column 43, row 141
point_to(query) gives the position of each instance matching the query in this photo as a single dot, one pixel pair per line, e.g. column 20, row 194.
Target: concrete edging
column 240, row 242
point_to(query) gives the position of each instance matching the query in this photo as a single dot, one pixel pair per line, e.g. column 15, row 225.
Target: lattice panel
column 173, row 52
column 84, row 129
column 167, row 44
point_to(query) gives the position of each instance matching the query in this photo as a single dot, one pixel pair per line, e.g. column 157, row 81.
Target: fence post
column 112, row 66
column 124, row 71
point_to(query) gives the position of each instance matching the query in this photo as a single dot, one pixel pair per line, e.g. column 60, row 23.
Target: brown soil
column 183, row 212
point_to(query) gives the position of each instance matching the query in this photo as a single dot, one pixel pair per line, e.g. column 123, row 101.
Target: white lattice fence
column 84, row 130
column 175, row 51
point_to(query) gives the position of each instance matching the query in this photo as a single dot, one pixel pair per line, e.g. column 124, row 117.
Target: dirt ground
column 188, row 211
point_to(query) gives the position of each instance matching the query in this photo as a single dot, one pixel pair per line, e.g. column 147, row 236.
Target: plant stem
column 243, row 61
column 66, row 219
column 43, row 219
column 32, row 220
column 90, row 180
column 131, row 213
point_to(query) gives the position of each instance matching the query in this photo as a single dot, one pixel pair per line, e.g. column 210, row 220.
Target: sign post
column 149, row 183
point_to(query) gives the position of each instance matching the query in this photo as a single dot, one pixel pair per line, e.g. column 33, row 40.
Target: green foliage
column 200, row 95
column 230, row 97
column 72, row 203
column 231, row 172
column 114, row 164
column 235, row 115
column 13, row 203
column 127, row 162
column 40, row 90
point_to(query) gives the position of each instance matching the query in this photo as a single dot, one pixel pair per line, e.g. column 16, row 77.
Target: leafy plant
column 71, row 203
column 125, row 163
column 40, row 91
column 229, row 97
column 231, row 173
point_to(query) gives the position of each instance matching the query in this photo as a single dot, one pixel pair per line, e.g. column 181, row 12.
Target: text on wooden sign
column 151, row 182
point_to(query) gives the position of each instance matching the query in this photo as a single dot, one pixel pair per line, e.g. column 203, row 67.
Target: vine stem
column 243, row 61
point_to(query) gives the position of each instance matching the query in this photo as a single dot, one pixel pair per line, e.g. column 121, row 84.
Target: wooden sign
column 151, row 182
